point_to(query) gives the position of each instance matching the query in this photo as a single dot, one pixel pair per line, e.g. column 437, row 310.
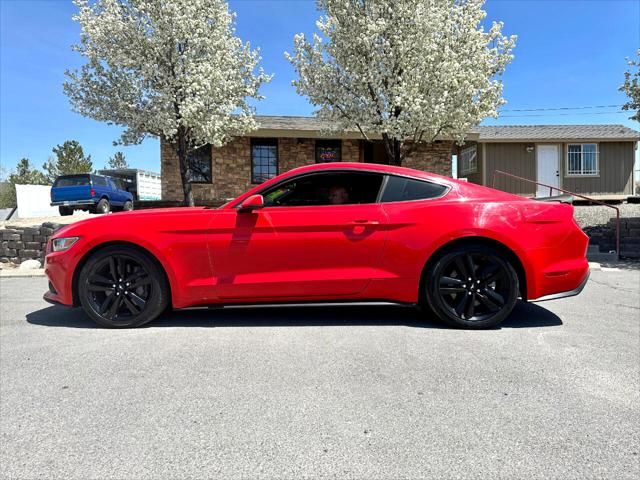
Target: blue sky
column 569, row 54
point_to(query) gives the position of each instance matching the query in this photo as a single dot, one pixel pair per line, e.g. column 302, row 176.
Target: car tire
column 65, row 211
column 122, row 287
column 128, row 206
column 103, row 206
column 472, row 287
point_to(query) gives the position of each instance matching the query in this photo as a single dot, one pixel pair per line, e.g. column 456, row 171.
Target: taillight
column 92, row 192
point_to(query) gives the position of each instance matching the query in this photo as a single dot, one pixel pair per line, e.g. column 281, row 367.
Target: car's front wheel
column 471, row 287
column 122, row 287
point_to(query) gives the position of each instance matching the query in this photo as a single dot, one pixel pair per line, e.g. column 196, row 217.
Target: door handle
column 366, row 222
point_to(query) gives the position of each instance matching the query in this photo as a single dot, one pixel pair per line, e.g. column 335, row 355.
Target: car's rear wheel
column 65, row 211
column 122, row 287
column 103, row 206
column 471, row 287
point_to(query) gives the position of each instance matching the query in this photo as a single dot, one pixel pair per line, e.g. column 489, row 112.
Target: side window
column 264, row 159
column 330, row 188
column 401, row 189
column 328, row 151
column 199, row 161
column 100, row 181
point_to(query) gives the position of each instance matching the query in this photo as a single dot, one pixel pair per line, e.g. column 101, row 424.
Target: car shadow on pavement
column 524, row 315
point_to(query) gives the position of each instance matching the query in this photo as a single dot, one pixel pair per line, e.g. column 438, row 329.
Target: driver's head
column 338, row 195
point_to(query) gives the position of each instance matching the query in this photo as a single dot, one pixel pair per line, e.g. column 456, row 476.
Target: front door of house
column 548, row 160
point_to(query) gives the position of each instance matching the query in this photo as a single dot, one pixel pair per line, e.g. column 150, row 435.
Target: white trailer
column 144, row 185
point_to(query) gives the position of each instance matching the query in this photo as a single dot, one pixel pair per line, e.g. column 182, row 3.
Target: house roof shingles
column 556, row 132
column 484, row 133
column 271, row 122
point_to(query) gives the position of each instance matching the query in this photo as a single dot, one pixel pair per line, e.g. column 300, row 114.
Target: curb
column 16, row 273
column 595, row 266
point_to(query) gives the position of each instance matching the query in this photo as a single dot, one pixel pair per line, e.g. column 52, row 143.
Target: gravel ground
column 591, row 215
column 349, row 393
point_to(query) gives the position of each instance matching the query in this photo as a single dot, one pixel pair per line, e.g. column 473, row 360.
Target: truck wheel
column 103, row 206
column 65, row 211
column 128, row 206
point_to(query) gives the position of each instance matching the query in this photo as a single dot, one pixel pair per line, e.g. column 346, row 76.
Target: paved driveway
column 331, row 392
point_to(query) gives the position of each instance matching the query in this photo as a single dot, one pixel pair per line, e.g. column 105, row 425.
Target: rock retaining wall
column 604, row 236
column 25, row 243
column 18, row 244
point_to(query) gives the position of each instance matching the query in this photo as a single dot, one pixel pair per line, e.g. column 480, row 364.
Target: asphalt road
column 330, row 392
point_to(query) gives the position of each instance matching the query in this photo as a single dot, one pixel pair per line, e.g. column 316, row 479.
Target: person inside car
column 338, row 195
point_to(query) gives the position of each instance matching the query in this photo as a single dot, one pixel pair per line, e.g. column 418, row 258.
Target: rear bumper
column 568, row 293
column 73, row 203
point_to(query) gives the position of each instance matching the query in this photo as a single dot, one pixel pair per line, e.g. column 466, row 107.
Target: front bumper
column 59, row 267
column 51, row 298
column 568, row 293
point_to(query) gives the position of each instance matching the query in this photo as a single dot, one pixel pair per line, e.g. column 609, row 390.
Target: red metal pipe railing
column 552, row 188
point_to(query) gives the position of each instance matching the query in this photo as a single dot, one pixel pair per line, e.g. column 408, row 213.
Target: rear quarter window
column 402, row 189
column 100, row 181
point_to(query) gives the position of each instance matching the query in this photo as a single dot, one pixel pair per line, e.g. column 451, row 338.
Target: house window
column 328, row 151
column 469, row 161
column 582, row 159
column 199, row 162
column 264, row 159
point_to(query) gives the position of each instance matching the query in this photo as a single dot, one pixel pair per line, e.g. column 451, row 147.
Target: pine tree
column 117, row 162
column 69, row 158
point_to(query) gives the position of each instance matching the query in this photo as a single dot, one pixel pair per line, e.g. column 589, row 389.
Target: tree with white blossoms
column 409, row 70
column 172, row 69
column 631, row 87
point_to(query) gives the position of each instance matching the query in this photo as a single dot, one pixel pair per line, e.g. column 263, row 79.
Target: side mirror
column 251, row 203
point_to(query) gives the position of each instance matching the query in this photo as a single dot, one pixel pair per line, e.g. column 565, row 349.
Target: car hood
column 134, row 220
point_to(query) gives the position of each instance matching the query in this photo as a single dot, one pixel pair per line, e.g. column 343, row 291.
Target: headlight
column 63, row 243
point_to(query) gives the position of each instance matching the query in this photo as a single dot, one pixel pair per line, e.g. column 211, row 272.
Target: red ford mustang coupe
column 326, row 233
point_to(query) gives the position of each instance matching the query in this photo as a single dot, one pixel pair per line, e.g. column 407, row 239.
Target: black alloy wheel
column 472, row 287
column 122, row 286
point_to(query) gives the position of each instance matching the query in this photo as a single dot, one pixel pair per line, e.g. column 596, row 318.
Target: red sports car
column 325, row 233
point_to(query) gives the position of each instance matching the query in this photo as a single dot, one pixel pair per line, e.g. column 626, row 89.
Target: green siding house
column 595, row 160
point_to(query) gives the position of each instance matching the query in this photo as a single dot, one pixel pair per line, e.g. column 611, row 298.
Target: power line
column 565, row 114
column 559, row 108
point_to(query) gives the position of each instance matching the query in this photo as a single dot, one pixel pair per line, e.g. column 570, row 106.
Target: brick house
column 592, row 159
column 278, row 145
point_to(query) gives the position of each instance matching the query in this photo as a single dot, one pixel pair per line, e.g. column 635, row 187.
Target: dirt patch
column 592, row 215
column 30, row 222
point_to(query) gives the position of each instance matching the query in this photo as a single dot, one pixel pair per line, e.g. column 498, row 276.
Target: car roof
column 369, row 167
column 346, row 166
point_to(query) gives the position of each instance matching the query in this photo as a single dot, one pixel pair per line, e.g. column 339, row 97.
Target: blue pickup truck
column 95, row 193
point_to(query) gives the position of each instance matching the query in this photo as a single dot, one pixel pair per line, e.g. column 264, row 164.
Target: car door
column 302, row 248
column 117, row 197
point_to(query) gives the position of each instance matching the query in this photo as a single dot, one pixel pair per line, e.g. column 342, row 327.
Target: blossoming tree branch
column 408, row 70
column 172, row 69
